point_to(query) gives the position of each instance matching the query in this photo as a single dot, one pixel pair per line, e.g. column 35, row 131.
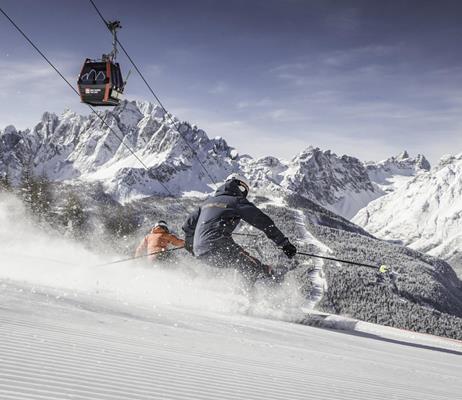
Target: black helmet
column 242, row 183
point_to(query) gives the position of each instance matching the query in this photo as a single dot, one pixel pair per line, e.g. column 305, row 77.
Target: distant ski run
column 317, row 274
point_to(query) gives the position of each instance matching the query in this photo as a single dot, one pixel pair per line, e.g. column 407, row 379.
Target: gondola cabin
column 100, row 83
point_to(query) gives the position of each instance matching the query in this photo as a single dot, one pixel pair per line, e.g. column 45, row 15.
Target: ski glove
column 289, row 250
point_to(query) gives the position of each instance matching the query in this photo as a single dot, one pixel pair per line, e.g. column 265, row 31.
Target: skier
column 157, row 242
column 208, row 230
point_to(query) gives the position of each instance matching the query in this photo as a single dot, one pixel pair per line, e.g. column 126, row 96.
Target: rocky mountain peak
column 422, row 162
column 403, row 156
column 9, row 130
column 70, row 146
column 425, row 213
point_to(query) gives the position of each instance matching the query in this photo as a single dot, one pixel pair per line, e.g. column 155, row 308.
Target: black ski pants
column 234, row 256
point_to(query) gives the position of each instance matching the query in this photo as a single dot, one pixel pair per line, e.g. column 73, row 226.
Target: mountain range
column 311, row 197
column 71, row 147
column 424, row 214
column 140, row 150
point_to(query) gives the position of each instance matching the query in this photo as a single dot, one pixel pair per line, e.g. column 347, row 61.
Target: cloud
column 336, row 69
column 219, row 88
column 253, row 139
column 36, row 78
column 153, row 70
column 285, row 115
column 258, row 103
column 28, row 88
column 344, row 58
column 15, row 75
column 344, row 20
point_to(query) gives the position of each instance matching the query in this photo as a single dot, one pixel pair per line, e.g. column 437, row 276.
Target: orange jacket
column 158, row 240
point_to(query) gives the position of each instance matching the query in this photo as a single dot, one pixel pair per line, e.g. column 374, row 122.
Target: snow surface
column 90, row 348
column 71, row 329
column 394, row 172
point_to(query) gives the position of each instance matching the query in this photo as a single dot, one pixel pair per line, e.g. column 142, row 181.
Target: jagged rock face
column 340, row 184
column 264, row 174
column 71, row 147
column 425, row 214
column 391, row 173
column 327, row 179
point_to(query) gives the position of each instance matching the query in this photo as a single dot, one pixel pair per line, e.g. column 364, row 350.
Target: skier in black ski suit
column 208, row 230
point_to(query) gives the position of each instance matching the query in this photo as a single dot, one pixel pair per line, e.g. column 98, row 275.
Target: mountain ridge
column 73, row 147
column 424, row 214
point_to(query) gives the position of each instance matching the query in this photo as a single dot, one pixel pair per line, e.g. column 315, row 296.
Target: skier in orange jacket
column 157, row 242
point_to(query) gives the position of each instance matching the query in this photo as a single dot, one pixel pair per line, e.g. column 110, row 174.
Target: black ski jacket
column 211, row 226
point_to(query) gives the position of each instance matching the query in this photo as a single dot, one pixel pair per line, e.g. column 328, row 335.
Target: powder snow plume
column 44, row 261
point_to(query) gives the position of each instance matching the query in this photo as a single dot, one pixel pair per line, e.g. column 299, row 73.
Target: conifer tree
column 36, row 193
column 5, row 183
column 74, row 216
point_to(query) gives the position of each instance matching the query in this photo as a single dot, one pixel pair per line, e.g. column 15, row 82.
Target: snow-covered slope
column 393, row 172
column 70, row 147
column 84, row 347
column 425, row 213
column 72, row 329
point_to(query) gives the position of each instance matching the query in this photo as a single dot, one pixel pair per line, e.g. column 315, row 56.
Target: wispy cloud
column 343, row 19
column 219, row 88
column 285, row 115
column 16, row 75
column 153, row 70
column 258, row 103
column 28, row 88
column 352, row 66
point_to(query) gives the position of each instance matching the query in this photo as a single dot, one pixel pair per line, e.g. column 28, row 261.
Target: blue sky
column 363, row 78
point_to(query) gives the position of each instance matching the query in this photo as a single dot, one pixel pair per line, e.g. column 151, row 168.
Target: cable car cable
column 91, row 108
column 158, row 100
column 154, row 94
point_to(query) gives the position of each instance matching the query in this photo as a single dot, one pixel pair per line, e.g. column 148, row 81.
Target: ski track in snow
column 130, row 333
column 316, row 275
column 52, row 349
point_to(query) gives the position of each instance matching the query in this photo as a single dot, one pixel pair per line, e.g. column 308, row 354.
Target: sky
column 363, row 78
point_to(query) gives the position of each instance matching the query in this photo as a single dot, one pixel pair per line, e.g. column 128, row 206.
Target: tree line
column 54, row 206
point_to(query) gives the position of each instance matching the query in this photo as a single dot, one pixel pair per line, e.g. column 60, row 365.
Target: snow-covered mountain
column 77, row 147
column 393, row 172
column 340, row 184
column 425, row 213
column 73, row 147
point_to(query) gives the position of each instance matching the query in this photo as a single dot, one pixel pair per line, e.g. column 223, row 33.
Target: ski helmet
column 161, row 224
column 242, row 182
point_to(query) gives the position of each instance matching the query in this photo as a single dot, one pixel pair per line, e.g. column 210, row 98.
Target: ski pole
column 245, row 234
column 382, row 268
column 137, row 257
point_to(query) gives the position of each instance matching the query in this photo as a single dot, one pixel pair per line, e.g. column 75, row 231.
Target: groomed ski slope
column 72, row 330
column 85, row 347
